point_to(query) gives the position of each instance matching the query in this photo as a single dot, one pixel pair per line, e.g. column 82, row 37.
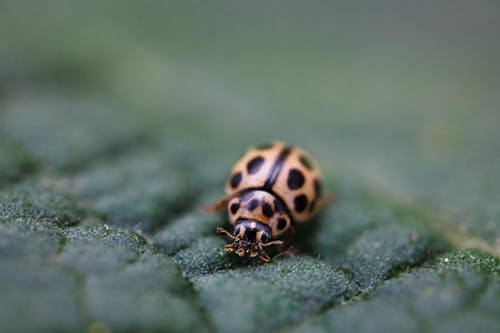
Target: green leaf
column 457, row 292
column 271, row 296
column 41, row 201
column 14, row 162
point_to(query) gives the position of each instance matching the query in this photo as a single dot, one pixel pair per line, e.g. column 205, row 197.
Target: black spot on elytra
column 234, row 207
column 278, row 206
column 317, row 194
column 317, row 188
column 267, row 210
column 311, row 207
column 264, row 146
column 306, row 162
column 295, row 179
column 300, row 203
column 235, row 180
column 281, row 223
column 254, row 165
column 252, row 204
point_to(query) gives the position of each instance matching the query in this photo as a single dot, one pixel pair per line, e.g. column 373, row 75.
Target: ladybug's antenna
column 224, row 231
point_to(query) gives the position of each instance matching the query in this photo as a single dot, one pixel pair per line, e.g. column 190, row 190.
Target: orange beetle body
column 269, row 189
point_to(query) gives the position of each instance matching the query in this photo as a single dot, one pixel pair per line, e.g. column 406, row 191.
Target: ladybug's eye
column 264, row 238
column 236, row 230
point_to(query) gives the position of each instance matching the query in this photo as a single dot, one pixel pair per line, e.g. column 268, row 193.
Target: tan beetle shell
column 260, row 206
column 281, row 171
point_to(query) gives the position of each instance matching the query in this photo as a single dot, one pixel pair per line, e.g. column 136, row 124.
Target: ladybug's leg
column 286, row 247
column 218, row 205
column 276, row 242
column 264, row 257
column 229, row 247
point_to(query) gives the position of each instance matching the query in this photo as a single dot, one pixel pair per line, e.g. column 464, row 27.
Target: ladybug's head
column 249, row 239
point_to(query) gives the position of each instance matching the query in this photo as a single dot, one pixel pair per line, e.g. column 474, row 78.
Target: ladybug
column 270, row 189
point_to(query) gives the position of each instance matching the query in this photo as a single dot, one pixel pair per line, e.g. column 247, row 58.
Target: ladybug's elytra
column 270, row 188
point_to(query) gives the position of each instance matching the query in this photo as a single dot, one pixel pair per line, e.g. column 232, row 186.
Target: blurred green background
column 402, row 94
